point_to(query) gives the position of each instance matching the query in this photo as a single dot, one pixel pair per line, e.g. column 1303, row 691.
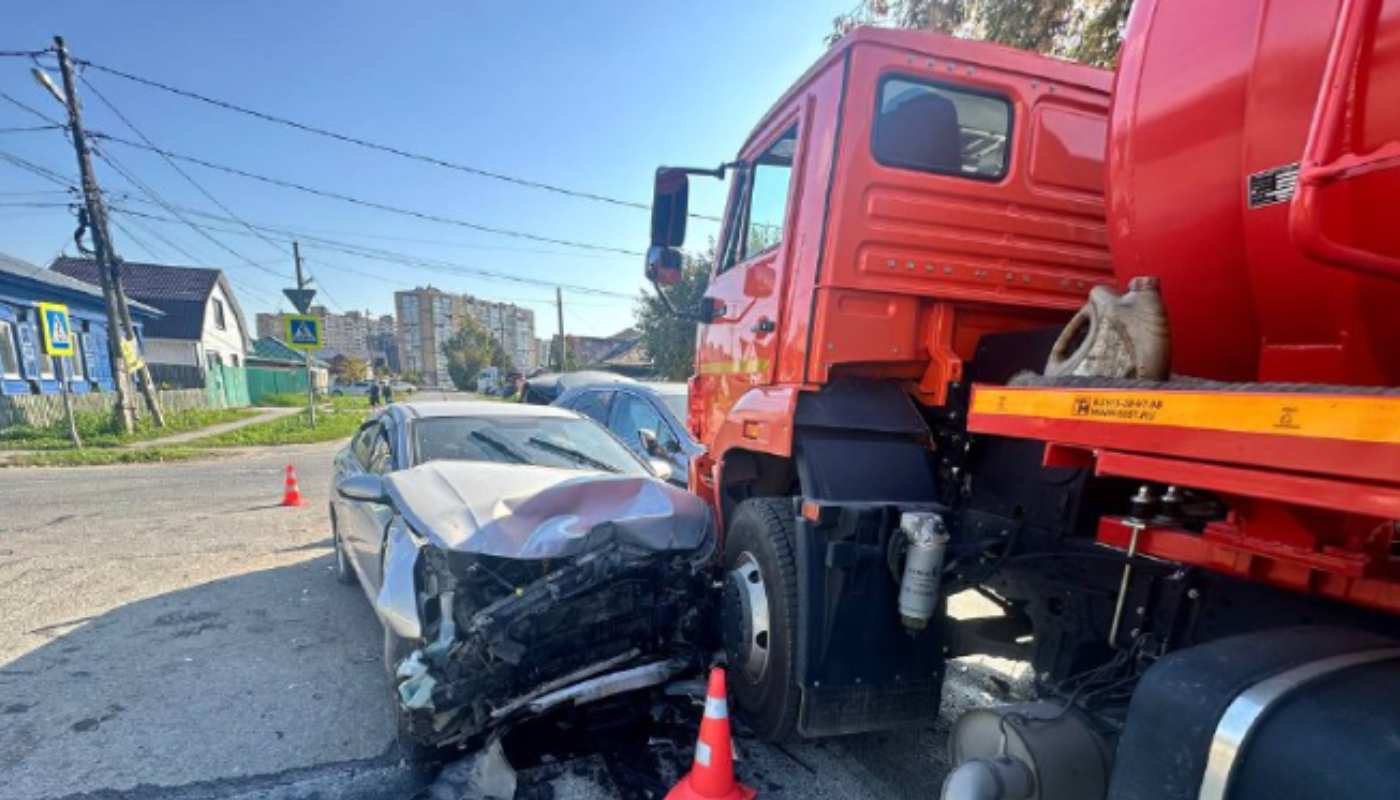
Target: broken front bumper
column 501, row 639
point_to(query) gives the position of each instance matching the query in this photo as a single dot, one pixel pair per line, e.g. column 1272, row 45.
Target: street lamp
column 45, row 81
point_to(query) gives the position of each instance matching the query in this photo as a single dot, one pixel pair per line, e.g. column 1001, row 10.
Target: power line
column 24, row 53
column 156, row 257
column 53, row 176
column 392, row 238
column 379, row 254
column 301, row 187
column 31, row 128
column 383, row 148
column 23, row 106
column 196, row 184
column 151, row 193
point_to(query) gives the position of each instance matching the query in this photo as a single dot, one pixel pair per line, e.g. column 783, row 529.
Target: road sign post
column 59, row 347
column 301, row 298
column 304, row 333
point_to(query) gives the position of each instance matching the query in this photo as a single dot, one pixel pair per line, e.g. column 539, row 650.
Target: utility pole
column 310, row 385
column 97, row 221
column 563, row 343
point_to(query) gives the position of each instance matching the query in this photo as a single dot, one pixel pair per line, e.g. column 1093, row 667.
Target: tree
column 469, row 350
column 669, row 339
column 1083, row 30
column 355, row 370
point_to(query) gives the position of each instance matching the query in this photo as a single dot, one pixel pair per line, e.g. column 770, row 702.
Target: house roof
column 181, row 292
column 270, row 348
column 49, row 279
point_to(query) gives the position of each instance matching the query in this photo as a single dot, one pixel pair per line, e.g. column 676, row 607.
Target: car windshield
column 543, row 441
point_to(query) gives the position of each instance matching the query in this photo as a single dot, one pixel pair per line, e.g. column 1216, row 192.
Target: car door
column 364, row 533
column 632, row 414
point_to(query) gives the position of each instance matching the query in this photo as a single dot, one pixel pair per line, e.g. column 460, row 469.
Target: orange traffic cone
column 291, row 496
column 712, row 776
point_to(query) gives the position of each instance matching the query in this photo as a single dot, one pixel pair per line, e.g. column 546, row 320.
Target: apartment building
column 354, row 334
column 428, row 317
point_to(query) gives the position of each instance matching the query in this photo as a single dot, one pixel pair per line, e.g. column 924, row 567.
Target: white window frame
column 13, row 343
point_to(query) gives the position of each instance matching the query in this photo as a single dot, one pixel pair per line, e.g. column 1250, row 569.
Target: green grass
column 292, row 429
column 286, row 399
column 98, row 429
column 349, row 403
column 99, row 456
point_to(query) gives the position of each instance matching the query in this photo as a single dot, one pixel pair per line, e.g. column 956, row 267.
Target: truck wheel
column 759, row 616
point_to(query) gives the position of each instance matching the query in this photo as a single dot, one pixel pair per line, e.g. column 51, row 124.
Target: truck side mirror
column 669, row 207
column 663, row 265
column 711, row 309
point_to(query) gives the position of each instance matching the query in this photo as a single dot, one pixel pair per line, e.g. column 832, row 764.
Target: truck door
column 738, row 347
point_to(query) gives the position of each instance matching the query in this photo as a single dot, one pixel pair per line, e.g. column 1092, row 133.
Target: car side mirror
column 649, row 443
column 661, row 468
column 365, row 488
column 670, row 201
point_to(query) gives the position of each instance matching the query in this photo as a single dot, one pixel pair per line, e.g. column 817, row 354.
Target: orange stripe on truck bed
column 1353, row 418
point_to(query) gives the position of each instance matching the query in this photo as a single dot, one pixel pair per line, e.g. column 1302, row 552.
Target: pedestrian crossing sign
column 58, row 329
column 303, row 332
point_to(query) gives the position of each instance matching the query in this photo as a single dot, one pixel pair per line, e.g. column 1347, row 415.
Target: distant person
column 374, row 395
column 388, row 393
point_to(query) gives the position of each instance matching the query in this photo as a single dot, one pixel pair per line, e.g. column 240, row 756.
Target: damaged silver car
column 524, row 563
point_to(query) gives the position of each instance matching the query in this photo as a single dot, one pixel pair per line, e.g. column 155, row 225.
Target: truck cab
column 909, row 193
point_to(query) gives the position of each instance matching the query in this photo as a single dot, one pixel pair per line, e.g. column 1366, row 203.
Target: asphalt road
column 170, row 631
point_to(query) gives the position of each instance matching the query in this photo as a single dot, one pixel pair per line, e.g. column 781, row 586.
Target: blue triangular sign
column 303, row 332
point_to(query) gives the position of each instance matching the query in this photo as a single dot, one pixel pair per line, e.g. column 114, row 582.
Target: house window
column 77, row 362
column 936, row 128
column 220, row 321
column 233, row 359
column 9, row 350
column 213, row 360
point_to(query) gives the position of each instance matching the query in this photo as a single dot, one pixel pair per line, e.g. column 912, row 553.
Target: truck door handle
column 764, row 326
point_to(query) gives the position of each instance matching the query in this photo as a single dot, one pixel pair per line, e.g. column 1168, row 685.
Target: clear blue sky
column 587, row 95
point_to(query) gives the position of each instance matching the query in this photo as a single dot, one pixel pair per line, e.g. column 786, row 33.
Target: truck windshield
column 938, row 128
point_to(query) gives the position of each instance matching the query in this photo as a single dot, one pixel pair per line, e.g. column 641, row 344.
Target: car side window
column 362, row 443
column 633, row 414
column 381, row 455
column 593, row 404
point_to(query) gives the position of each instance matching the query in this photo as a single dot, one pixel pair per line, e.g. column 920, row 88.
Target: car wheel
column 343, row 571
column 759, row 615
column 420, row 757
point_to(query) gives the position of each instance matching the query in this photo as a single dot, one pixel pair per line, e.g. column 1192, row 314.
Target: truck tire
column 759, row 615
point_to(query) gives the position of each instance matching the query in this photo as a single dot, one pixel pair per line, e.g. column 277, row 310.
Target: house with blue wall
column 24, row 369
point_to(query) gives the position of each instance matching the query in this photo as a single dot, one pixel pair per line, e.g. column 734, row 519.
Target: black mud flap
column 858, row 667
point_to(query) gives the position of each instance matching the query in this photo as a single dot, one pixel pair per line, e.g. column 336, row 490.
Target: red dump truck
column 1118, row 351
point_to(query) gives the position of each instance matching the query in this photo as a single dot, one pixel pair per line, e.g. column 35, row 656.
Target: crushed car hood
column 529, row 512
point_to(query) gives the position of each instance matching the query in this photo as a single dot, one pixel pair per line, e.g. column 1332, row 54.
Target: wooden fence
column 42, row 410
